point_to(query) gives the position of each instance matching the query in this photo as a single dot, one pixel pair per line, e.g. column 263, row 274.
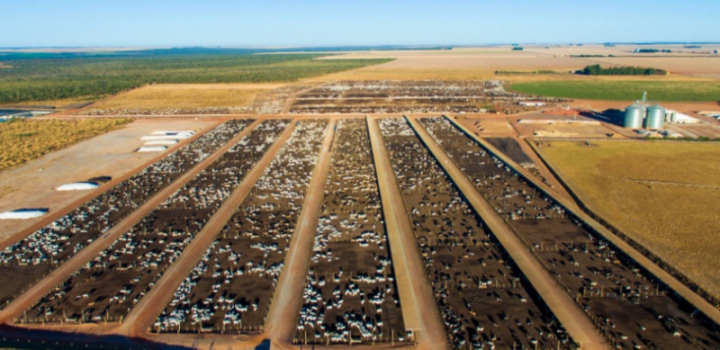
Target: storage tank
column 655, row 118
column 633, row 117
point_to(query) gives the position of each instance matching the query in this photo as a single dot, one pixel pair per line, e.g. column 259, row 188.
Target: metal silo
column 655, row 117
column 634, row 117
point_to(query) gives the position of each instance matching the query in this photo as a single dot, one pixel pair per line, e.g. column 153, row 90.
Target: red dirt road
column 149, row 307
column 29, row 298
column 420, row 311
column 572, row 318
column 282, row 315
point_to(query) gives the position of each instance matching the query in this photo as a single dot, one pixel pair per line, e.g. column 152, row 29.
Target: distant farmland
column 668, row 91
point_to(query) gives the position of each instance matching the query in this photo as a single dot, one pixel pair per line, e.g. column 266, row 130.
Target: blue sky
column 61, row 23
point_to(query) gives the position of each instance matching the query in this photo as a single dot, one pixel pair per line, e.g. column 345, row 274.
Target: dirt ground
column 109, row 286
column 658, row 193
column 586, row 266
column 488, row 126
column 32, row 185
column 480, row 294
column 232, row 287
column 545, row 125
column 705, row 130
column 351, row 252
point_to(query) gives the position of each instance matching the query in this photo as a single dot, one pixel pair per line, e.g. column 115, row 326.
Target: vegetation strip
column 39, row 79
column 666, row 91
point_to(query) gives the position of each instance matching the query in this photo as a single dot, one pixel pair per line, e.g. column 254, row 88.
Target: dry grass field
column 659, row 193
column 187, row 96
column 23, row 140
column 481, row 63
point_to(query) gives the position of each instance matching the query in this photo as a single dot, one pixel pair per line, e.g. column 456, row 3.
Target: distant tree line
column 653, row 50
column 598, row 70
column 517, row 48
column 45, row 77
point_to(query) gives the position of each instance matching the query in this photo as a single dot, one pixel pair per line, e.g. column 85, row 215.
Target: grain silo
column 634, row 117
column 655, row 118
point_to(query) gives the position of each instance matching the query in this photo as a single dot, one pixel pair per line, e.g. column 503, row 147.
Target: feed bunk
column 628, row 305
column 483, row 298
column 35, row 256
column 351, row 292
column 231, row 288
column 108, row 287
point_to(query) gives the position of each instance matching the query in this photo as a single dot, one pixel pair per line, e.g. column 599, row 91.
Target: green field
column 44, row 77
column 670, row 91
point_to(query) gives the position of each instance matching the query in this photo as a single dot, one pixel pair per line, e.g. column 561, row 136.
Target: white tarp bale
column 78, row 186
column 22, row 214
column 152, row 149
column 161, row 142
column 165, row 137
column 170, row 132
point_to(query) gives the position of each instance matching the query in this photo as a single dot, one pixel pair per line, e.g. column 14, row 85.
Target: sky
column 111, row 23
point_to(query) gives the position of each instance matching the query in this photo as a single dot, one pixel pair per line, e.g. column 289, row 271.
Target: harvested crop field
column 456, row 64
column 22, row 140
column 168, row 99
column 657, row 192
column 188, row 96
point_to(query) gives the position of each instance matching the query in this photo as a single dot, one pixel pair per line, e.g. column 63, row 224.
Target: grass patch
column 668, row 91
column 661, row 194
column 23, row 140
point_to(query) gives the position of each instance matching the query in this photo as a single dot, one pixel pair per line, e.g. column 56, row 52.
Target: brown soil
column 238, row 274
column 581, row 260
